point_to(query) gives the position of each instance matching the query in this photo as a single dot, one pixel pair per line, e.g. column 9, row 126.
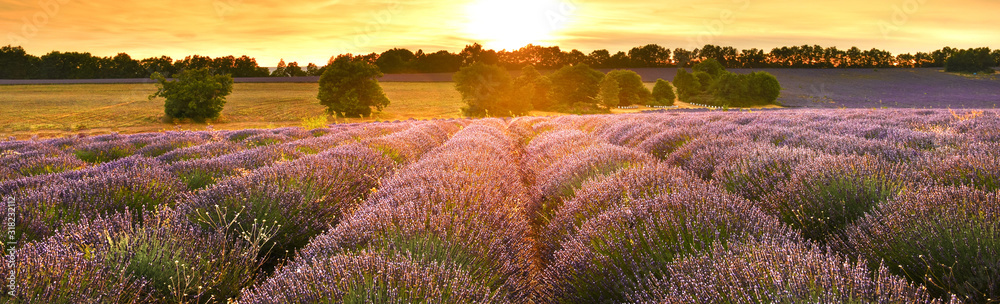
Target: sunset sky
column 312, row 31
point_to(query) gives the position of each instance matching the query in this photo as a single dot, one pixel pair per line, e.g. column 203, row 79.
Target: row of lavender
column 837, row 206
column 130, row 231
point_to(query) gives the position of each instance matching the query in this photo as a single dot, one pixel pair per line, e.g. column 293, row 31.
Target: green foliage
column 609, row 92
column 632, row 90
column 971, row 61
column 710, row 66
column 197, row 93
column 533, row 86
column 312, row 123
column 740, row 90
column 686, row 84
column 197, row 179
column 705, row 80
column 350, row 88
column 575, row 84
column 663, row 93
column 489, row 91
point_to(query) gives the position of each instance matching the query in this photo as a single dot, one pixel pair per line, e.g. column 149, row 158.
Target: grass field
column 56, row 110
column 60, row 109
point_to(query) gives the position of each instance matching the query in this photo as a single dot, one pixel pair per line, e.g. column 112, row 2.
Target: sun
column 512, row 24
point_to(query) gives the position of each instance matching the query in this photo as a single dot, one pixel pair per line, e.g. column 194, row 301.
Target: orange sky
column 312, row 31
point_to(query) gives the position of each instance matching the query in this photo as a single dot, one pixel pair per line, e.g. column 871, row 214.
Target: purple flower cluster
column 806, row 205
column 458, row 207
column 776, row 271
column 947, row 238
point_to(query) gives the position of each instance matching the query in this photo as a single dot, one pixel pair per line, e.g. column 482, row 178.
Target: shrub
column 304, row 197
column 618, row 190
column 755, row 171
column 457, row 207
column 603, row 261
column 663, row 93
column 776, row 271
column 664, row 143
column 105, row 151
column 196, row 94
column 131, row 183
column 631, row 89
column 200, row 173
column 111, row 259
column 370, row 278
column 349, row 88
column 701, row 155
column 488, row 91
column 560, row 181
column 947, row 238
column 975, row 169
column 826, row 194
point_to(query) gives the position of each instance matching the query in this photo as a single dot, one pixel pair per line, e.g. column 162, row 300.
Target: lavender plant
column 776, row 271
column 605, row 260
column 830, row 192
column 947, row 238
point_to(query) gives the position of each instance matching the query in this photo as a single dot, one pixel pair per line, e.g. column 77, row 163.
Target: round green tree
column 575, row 84
column 663, row 93
column 489, row 91
column 196, row 93
column 609, row 92
column 350, row 88
column 631, row 89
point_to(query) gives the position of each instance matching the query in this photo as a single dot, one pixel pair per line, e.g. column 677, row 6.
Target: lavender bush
column 947, row 238
column 776, row 271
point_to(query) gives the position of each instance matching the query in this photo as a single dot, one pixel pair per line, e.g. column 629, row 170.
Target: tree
column 710, row 66
column 122, row 66
column 280, row 70
column 663, row 93
column 294, row 70
column 197, row 93
column 686, row 84
column 970, row 61
column 313, row 70
column 609, row 90
column 705, row 80
column 17, row 64
column 535, row 87
column 487, row 89
column 757, row 88
column 573, row 84
column 650, row 55
column 349, row 88
column 631, row 89
column 395, row 61
column 682, row 57
column 599, row 58
column 764, row 87
column 163, row 65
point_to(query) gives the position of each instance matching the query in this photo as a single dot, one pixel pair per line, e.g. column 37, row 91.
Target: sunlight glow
column 511, row 24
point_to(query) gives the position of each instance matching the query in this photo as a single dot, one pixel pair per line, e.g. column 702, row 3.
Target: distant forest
column 15, row 63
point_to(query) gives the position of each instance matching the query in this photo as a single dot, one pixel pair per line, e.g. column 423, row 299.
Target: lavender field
column 783, row 206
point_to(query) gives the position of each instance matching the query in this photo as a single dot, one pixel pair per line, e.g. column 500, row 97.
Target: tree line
column 15, row 63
